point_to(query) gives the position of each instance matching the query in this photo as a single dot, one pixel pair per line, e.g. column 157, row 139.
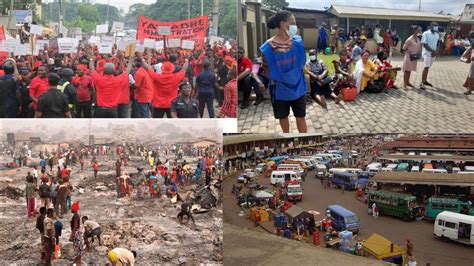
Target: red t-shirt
column 144, row 91
column 64, row 172
column 198, row 64
column 125, row 94
column 95, row 166
column 38, row 86
column 166, row 88
column 82, row 85
column 244, row 64
column 108, row 88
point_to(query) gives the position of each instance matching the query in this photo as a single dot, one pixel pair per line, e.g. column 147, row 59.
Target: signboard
column 121, row 45
column 130, row 49
column 22, row 16
column 140, row 48
column 65, row 45
column 21, row 49
column 94, row 40
column 212, row 32
column 164, row 30
column 75, row 31
column 107, row 39
column 214, row 39
column 36, row 29
column 149, row 43
column 102, row 28
column 40, row 45
column 64, row 31
column 105, row 48
column 159, row 45
column 9, row 45
column 187, row 44
column 194, row 29
column 117, row 26
column 173, row 43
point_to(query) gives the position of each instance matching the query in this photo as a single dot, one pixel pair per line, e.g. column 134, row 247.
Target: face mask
column 312, row 57
column 435, row 28
column 292, row 30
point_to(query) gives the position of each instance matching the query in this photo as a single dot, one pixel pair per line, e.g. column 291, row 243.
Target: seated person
column 343, row 73
column 365, row 72
column 388, row 72
column 319, row 80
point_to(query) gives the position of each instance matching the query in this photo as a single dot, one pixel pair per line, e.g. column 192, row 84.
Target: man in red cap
column 166, row 85
column 85, row 92
column 38, row 86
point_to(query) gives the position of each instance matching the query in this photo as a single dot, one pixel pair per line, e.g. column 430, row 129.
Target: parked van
column 415, row 169
column 336, row 152
column 325, row 156
column 437, row 205
column 282, row 176
column 346, row 180
column 374, row 167
column 456, row 170
column 332, row 171
column 308, row 163
column 455, row 226
column 343, row 219
column 291, row 167
column 435, row 171
column 469, row 169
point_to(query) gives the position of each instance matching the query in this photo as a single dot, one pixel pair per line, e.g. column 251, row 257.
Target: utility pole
column 189, row 9
column 61, row 16
column 419, row 5
column 108, row 5
column 11, row 6
column 202, row 7
column 215, row 15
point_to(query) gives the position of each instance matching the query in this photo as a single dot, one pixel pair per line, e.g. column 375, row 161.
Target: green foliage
column 275, row 4
column 228, row 19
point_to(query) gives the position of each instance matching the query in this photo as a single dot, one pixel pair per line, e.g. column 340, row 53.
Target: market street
column 427, row 248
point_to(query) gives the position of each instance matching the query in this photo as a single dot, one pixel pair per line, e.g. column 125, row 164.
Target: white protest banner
column 9, row 45
column 40, row 45
column 36, row 29
column 117, row 26
column 75, row 31
column 149, row 43
column 65, row 45
column 187, row 44
column 79, row 37
column 64, row 31
column 228, row 45
column 21, row 49
column 76, row 43
column 212, row 32
column 94, row 40
column 164, row 30
column 102, row 28
column 105, row 48
column 214, row 39
column 121, row 44
column 159, row 45
column 173, row 43
column 140, row 48
column 107, row 39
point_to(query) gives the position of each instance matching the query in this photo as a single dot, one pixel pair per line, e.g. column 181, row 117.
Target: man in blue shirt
column 206, row 81
column 12, row 89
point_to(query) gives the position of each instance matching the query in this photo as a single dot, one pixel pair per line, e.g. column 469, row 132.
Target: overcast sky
column 125, row 4
column 454, row 7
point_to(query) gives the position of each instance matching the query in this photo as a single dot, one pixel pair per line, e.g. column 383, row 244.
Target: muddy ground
column 148, row 226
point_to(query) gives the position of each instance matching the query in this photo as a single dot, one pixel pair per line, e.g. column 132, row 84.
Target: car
column 242, row 177
column 250, row 172
column 260, row 168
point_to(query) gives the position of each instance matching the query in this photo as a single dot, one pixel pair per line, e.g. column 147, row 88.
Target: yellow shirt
column 125, row 256
column 369, row 67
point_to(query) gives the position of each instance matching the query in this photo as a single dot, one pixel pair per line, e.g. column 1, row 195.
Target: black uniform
column 185, row 110
column 53, row 104
column 185, row 210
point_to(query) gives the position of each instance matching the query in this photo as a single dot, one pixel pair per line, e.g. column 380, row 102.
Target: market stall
column 380, row 248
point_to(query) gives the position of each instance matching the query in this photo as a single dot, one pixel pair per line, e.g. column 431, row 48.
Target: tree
column 275, row 5
column 114, row 13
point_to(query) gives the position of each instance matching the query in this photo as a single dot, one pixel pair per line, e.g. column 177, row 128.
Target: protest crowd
column 106, row 76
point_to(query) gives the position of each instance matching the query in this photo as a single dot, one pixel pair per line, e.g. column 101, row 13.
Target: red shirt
column 166, row 88
column 229, row 106
column 244, row 64
column 125, row 94
column 83, row 85
column 144, row 91
column 38, row 86
column 95, row 166
column 108, row 88
column 197, row 64
column 64, row 172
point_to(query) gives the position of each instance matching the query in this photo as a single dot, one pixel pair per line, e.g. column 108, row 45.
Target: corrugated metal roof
column 385, row 13
column 428, row 157
column 242, row 138
column 424, row 178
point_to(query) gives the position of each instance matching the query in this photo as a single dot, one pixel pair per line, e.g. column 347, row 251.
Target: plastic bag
column 57, row 251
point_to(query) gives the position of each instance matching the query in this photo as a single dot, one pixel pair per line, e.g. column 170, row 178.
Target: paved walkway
column 442, row 108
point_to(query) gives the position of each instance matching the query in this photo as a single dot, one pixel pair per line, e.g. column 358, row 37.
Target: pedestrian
column 229, row 104
column 429, row 41
column 122, row 256
column 58, row 228
column 143, row 90
column 91, row 229
column 411, row 49
column 95, row 167
column 54, row 192
column 53, row 103
column 84, row 91
column 38, row 86
column 342, row 189
column 118, row 167
column 60, row 203
column 286, row 58
column 375, row 210
column 81, row 162
column 49, row 235
column 40, row 227
column 409, row 248
column 467, row 58
column 44, row 193
column 65, row 86
column 31, row 196
column 185, row 210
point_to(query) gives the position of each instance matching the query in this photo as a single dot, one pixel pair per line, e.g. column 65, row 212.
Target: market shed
column 295, row 212
column 380, row 248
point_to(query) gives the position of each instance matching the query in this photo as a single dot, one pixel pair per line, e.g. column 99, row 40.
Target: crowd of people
column 177, row 82
column 291, row 76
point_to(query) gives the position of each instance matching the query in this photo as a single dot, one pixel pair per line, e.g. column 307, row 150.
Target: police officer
column 66, row 86
column 184, row 106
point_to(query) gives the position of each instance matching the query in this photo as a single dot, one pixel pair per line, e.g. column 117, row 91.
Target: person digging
column 185, row 210
column 92, row 229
